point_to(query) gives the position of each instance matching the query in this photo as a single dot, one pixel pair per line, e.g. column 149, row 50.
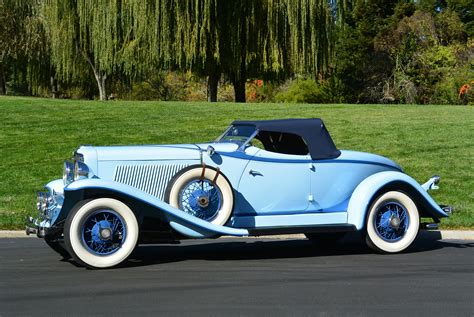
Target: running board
column 300, row 229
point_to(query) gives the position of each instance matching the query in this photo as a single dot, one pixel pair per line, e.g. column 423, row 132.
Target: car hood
column 147, row 152
column 151, row 152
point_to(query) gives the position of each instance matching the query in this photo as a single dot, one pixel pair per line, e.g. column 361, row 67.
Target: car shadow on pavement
column 225, row 249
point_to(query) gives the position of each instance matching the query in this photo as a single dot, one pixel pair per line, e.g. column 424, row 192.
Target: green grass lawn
column 36, row 135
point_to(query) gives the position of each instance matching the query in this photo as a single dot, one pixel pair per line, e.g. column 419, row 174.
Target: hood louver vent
column 151, row 179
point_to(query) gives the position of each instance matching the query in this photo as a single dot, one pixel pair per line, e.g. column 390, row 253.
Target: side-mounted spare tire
column 201, row 191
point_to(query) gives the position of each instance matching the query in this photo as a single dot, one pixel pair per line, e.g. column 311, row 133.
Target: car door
column 329, row 186
column 274, row 183
column 334, row 180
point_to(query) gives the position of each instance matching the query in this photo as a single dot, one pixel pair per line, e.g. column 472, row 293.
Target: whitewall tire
column 208, row 196
column 393, row 222
column 101, row 233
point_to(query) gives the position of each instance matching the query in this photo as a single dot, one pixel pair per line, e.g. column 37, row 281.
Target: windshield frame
column 243, row 144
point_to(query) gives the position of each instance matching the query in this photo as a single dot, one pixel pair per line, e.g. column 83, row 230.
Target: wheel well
column 420, row 202
column 141, row 209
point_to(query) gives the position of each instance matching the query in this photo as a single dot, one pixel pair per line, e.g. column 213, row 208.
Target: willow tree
column 308, row 32
column 274, row 39
column 24, row 48
column 214, row 37
column 210, row 38
column 90, row 31
column 269, row 39
column 193, row 35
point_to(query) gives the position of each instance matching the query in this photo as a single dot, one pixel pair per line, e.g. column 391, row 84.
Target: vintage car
column 257, row 178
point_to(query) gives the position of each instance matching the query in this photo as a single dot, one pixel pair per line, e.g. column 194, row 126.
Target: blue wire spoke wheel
column 392, row 223
column 201, row 199
column 101, row 232
column 202, row 192
column 104, row 232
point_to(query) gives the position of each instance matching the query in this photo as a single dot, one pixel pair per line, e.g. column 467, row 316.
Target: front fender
column 374, row 185
column 180, row 221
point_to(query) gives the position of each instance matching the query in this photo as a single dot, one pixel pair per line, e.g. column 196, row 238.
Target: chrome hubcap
column 395, row 222
column 105, row 233
column 203, row 201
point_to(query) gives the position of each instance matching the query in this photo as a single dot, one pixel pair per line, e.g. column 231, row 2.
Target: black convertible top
column 313, row 132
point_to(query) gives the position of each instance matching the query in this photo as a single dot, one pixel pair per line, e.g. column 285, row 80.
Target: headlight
column 40, row 201
column 80, row 170
column 45, row 204
column 68, row 172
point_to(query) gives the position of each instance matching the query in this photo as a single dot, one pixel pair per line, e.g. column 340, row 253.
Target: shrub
column 305, row 91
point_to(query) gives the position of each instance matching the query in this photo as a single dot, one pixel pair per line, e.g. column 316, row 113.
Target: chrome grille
column 151, row 179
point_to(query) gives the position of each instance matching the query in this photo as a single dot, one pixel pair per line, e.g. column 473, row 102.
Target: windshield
column 237, row 134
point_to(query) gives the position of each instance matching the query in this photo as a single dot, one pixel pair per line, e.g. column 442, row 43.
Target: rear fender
column 180, row 221
column 376, row 184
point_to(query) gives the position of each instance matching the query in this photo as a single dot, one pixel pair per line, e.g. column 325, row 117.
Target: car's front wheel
column 202, row 192
column 392, row 223
column 101, row 233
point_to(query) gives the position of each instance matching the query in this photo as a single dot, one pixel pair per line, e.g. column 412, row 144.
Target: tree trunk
column 3, row 86
column 54, row 87
column 212, row 82
column 100, row 78
column 239, row 90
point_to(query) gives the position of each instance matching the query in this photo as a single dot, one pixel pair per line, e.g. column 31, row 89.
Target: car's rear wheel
column 101, row 233
column 202, row 192
column 392, row 223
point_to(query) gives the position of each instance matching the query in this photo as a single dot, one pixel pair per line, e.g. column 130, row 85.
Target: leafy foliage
column 24, row 47
column 242, row 39
column 407, row 55
column 427, row 49
column 361, row 51
column 305, row 91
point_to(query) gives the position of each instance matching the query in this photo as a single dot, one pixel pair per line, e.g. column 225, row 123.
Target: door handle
column 255, row 173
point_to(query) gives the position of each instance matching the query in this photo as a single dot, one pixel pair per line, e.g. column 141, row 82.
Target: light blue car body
column 273, row 192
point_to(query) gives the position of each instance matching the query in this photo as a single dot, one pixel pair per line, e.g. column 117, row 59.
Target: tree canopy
column 349, row 50
column 241, row 39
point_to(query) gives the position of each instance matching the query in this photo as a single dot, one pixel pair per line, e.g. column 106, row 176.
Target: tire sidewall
column 74, row 226
column 375, row 241
column 195, row 172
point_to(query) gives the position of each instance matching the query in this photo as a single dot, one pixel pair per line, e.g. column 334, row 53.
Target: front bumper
column 49, row 204
column 36, row 226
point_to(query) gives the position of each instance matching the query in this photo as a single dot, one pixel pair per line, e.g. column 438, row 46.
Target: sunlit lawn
column 36, row 135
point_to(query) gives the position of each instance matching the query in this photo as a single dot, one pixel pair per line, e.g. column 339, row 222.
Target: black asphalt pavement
column 243, row 277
